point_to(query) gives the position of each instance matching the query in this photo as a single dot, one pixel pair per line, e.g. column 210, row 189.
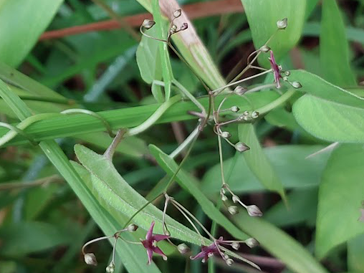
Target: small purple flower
column 208, row 251
column 276, row 69
column 150, row 244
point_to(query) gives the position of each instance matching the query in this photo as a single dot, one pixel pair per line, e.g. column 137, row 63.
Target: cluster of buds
column 252, row 210
column 173, row 29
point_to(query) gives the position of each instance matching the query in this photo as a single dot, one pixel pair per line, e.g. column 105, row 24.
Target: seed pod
column 296, row 85
column 235, row 109
column 184, row 27
column 254, row 211
column 287, row 73
column 110, row 268
column 90, row 259
column 282, row 24
column 235, row 245
column 177, row 13
column 239, row 90
column 241, row 147
column 132, row 228
column 225, row 134
column 148, row 24
column 251, row 242
column 233, row 210
column 255, row 114
column 229, row 262
column 183, row 248
column 265, row 48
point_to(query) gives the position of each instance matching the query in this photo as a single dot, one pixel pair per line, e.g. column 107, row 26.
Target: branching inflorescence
column 216, row 116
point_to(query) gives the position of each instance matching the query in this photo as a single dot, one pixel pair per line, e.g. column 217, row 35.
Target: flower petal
column 200, row 255
column 150, row 232
column 159, row 237
column 159, row 251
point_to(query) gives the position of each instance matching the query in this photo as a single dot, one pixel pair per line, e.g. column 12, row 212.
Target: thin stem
column 109, row 153
column 218, row 91
column 94, row 241
column 114, row 251
column 261, row 87
column 154, row 117
column 20, row 185
column 274, row 104
column 189, row 220
column 189, row 95
column 185, row 143
column 221, row 161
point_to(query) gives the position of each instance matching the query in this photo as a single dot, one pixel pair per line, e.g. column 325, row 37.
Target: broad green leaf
column 289, row 162
column 190, row 184
column 355, row 254
column 334, row 55
column 263, row 16
column 148, row 60
column 113, row 191
column 302, row 208
column 258, row 163
column 28, row 237
column 310, row 6
column 279, row 244
column 318, row 87
column 340, row 199
column 22, row 23
column 330, row 121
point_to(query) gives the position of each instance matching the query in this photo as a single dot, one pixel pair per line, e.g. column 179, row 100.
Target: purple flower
column 150, row 243
column 208, row 251
column 276, row 69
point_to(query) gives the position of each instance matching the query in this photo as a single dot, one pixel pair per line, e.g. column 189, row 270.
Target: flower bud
column 224, row 198
column 285, row 78
column 148, row 24
column 251, row 242
column 177, row 13
column 235, row 109
column 296, row 85
column 173, row 29
column 246, row 113
column 233, row 210
column 235, row 245
column 90, row 259
column 132, row 228
column 254, row 211
column 282, row 24
column 225, row 134
column 265, row 48
column 241, row 147
column 235, row 198
column 229, row 262
column 110, row 268
column 255, row 114
column 287, row 73
column 239, row 90
column 184, row 27
column 183, row 248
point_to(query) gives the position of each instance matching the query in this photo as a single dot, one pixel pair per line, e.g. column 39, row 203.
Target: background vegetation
column 50, row 207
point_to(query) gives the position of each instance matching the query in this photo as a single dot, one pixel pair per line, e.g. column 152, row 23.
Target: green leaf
column 113, row 191
column 340, row 198
column 334, row 53
column 263, row 16
column 163, row 49
column 23, row 21
column 289, row 162
column 148, row 59
column 330, row 121
column 28, row 237
column 279, row 244
column 129, row 254
column 302, row 208
column 189, row 183
column 257, row 161
column 318, row 87
column 355, row 254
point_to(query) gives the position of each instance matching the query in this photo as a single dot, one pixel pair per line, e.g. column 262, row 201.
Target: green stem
column 274, row 104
